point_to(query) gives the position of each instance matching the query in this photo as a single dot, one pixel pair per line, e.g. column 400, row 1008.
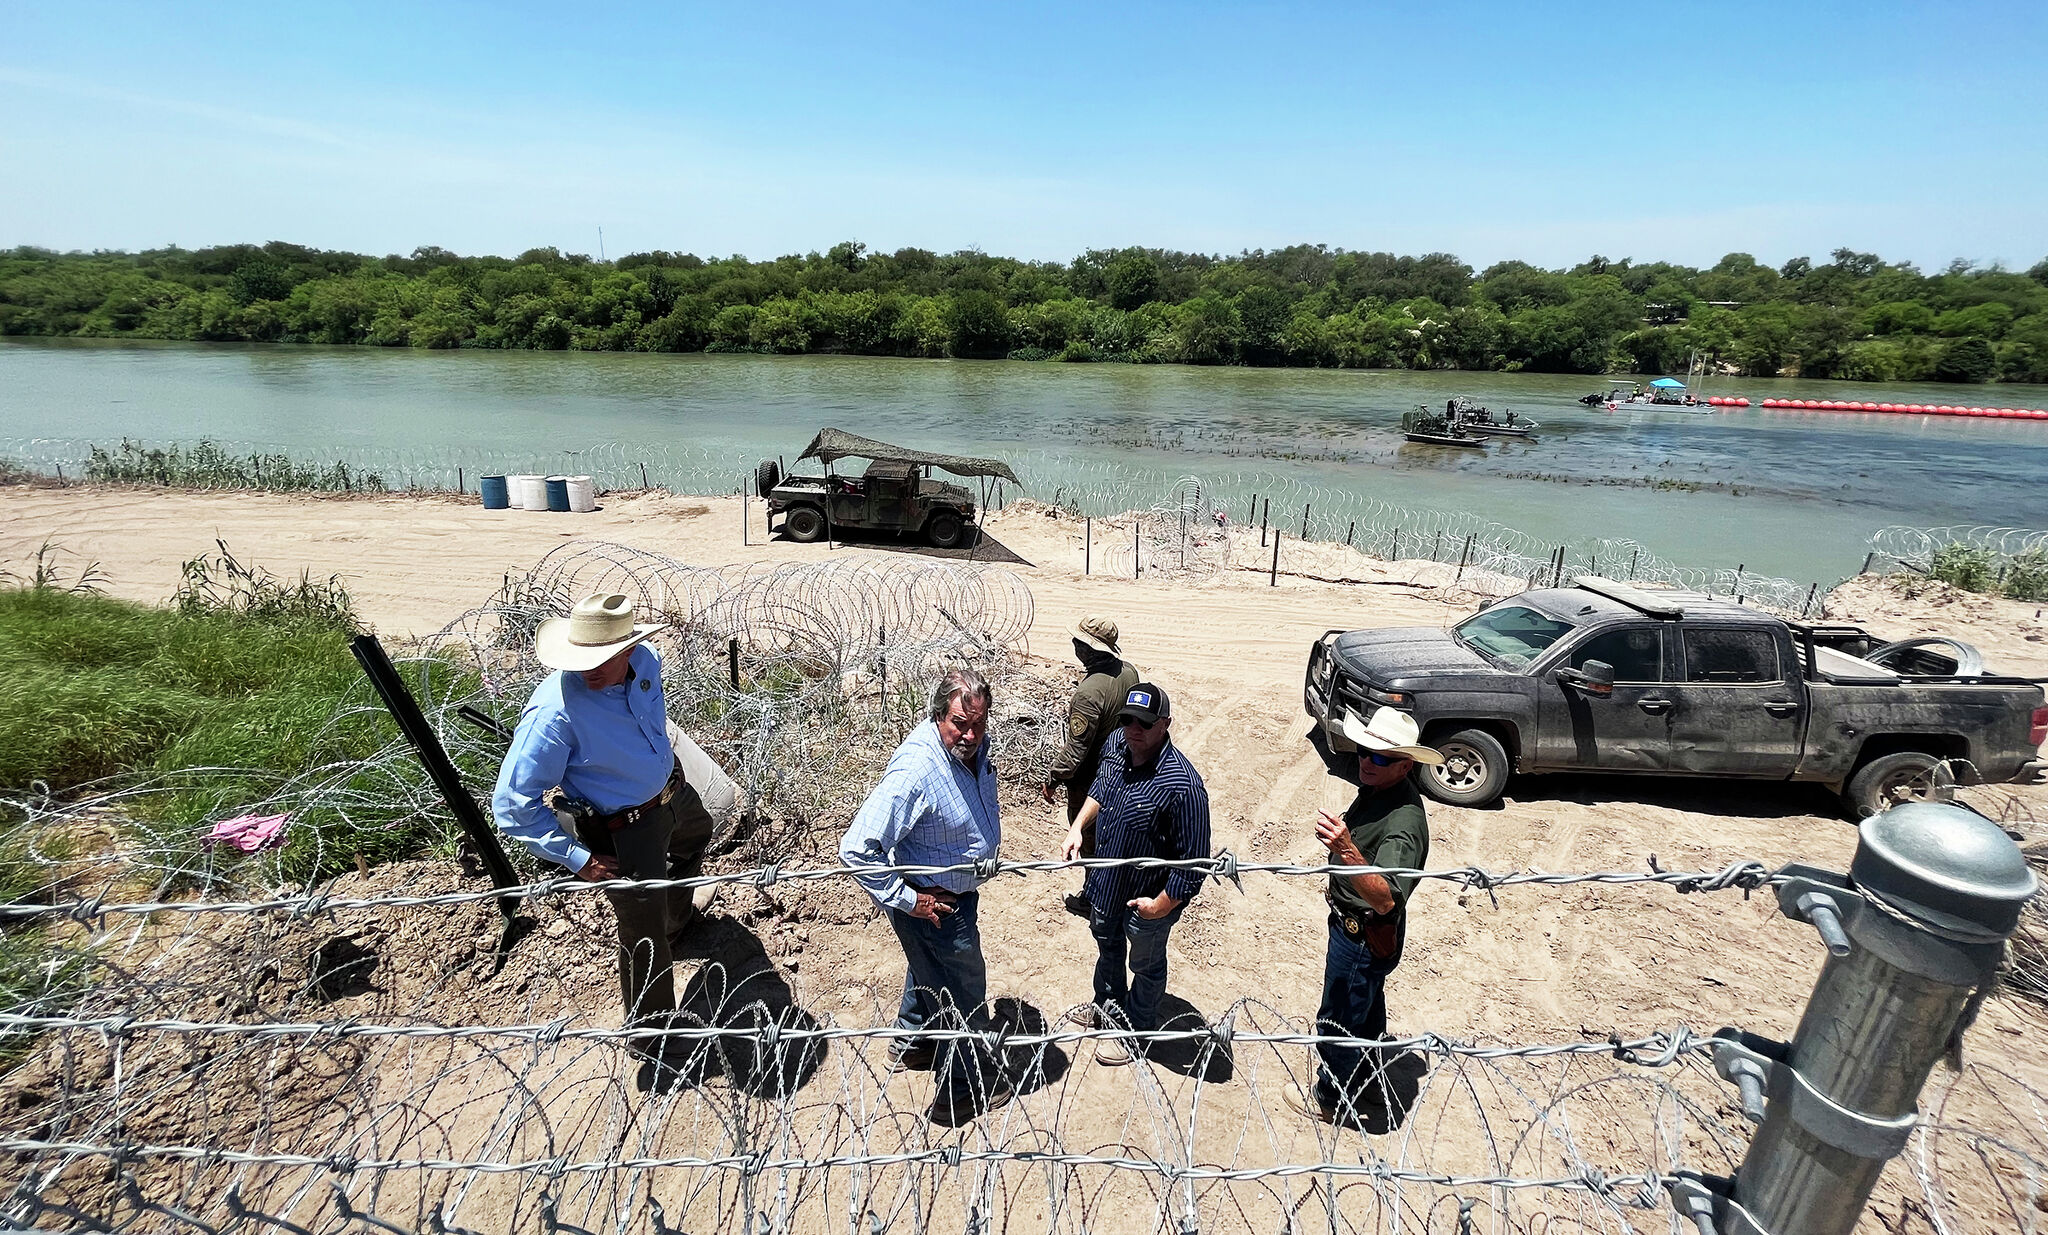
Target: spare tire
column 767, row 476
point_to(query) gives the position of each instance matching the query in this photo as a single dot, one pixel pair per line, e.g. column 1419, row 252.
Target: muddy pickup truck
column 1605, row 677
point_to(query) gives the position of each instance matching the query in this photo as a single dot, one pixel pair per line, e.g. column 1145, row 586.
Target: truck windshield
column 1510, row 635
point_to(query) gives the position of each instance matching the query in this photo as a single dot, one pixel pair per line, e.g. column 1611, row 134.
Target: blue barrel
column 496, row 497
column 558, row 494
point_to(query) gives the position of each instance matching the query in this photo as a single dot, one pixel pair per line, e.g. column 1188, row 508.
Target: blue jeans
column 947, row 982
column 1121, row 930
column 1354, row 1006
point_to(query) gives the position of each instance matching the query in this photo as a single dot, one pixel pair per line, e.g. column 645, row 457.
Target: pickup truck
column 1606, row 677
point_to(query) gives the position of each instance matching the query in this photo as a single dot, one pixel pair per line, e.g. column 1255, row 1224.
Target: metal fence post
column 1304, row 521
column 1137, row 551
column 1088, row 546
column 1915, row 936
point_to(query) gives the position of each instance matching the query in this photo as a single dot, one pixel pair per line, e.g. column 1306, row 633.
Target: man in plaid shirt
column 1147, row 802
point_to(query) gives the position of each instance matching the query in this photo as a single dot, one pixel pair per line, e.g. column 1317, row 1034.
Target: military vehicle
column 894, row 492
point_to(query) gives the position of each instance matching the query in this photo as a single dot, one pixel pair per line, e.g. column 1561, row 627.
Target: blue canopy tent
column 1668, row 383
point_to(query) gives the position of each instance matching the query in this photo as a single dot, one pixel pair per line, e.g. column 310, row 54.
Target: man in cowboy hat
column 595, row 735
column 1385, row 826
column 1091, row 717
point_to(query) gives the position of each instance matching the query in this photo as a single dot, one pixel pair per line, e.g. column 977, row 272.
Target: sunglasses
column 1142, row 724
column 1378, row 760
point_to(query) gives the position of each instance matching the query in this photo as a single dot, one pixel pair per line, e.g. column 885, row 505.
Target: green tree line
column 1855, row 317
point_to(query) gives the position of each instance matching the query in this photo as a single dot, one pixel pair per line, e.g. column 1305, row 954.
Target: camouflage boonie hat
column 1098, row 633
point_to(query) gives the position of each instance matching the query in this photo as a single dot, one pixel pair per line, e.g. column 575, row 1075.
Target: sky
column 1548, row 133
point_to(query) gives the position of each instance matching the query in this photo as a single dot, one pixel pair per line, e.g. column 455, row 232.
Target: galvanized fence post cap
column 1944, row 864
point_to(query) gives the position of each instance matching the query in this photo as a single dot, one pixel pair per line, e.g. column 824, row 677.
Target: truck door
column 1626, row 731
column 1739, row 713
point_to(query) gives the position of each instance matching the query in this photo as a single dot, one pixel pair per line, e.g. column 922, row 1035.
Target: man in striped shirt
column 1147, row 802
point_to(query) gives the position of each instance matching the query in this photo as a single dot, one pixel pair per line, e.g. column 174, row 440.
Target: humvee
column 895, row 491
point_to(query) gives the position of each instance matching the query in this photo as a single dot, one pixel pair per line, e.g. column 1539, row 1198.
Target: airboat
column 1435, row 429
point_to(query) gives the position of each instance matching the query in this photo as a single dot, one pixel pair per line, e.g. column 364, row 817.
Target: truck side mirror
column 1599, row 677
column 1595, row 677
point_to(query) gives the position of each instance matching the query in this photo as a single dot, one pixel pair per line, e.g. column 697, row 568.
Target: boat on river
column 1435, row 429
column 1479, row 420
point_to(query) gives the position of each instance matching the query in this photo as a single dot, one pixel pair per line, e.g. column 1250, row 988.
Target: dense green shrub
column 1964, row 566
column 1854, row 316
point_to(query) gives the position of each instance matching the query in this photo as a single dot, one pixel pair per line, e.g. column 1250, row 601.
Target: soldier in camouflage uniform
column 1091, row 718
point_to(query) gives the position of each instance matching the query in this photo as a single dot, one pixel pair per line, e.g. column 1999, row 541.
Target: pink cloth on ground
column 249, row 833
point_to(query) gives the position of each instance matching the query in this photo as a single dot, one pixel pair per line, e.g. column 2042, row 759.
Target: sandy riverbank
column 1543, row 966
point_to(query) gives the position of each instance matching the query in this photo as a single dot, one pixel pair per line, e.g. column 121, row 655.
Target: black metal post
column 1465, row 557
column 1349, row 532
column 1273, row 579
column 1304, row 520
column 732, row 660
column 1632, row 564
column 413, row 724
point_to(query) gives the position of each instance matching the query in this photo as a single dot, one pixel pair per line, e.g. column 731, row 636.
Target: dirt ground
column 1562, row 964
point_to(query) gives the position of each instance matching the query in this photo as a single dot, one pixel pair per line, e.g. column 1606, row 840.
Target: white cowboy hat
column 597, row 629
column 1390, row 732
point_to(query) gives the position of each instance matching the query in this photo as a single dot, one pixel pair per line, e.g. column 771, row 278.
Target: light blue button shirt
column 930, row 809
column 608, row 747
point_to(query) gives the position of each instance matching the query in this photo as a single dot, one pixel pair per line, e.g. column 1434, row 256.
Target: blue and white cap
column 1145, row 702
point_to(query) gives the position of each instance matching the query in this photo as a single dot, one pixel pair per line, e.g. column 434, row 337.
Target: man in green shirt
column 1385, row 826
column 1091, row 717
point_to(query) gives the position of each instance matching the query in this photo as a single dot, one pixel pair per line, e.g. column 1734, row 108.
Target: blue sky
column 1545, row 132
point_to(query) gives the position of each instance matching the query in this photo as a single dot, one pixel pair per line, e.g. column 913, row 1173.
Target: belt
column 1350, row 923
column 634, row 814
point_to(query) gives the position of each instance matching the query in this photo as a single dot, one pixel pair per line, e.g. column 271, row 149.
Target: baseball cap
column 1145, row 702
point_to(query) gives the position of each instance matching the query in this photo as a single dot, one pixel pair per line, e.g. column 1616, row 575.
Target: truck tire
column 804, row 524
column 1474, row 771
column 1889, row 780
column 945, row 531
column 766, row 477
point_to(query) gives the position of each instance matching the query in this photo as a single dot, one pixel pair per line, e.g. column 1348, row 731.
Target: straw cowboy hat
column 1098, row 633
column 597, row 629
column 1389, row 732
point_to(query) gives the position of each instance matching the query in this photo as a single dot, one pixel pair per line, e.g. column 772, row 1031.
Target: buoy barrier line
column 1906, row 409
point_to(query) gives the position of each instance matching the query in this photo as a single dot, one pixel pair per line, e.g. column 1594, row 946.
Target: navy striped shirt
column 1161, row 811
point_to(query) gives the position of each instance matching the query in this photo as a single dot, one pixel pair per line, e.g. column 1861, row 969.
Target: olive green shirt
column 1091, row 718
column 1390, row 829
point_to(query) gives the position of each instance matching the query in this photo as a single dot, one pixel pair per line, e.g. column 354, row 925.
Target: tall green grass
column 206, row 466
column 228, row 694
column 2023, row 576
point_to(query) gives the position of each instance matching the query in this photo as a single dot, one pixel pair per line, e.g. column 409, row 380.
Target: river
column 1793, row 494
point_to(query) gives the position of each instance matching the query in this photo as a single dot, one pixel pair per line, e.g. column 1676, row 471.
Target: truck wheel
column 804, row 524
column 766, row 477
column 1474, row 771
column 945, row 531
column 1889, row 780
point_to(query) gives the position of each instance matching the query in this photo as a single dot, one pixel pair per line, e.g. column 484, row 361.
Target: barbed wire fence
column 288, row 1041
column 1178, row 532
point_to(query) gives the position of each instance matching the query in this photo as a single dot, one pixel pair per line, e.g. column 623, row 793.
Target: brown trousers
column 668, row 843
